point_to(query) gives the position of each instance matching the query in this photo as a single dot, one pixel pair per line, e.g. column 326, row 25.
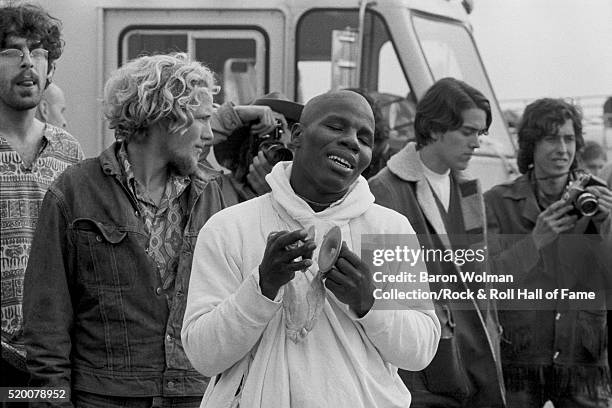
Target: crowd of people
column 182, row 267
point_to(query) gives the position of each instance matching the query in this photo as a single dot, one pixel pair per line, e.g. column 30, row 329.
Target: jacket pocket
column 446, row 374
column 592, row 332
column 105, row 260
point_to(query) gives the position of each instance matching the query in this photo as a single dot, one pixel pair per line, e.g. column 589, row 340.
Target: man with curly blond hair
column 108, row 277
column 32, row 155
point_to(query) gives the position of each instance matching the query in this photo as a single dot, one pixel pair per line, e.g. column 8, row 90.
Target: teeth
column 340, row 161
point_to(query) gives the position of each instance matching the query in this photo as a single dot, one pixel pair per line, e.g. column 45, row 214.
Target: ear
column 43, row 110
column 297, row 134
column 50, row 72
column 435, row 136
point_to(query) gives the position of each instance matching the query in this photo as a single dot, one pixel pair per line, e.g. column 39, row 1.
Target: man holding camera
column 249, row 151
column 559, row 353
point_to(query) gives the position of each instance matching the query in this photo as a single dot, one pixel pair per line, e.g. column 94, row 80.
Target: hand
column 263, row 118
column 256, row 176
column 551, row 222
column 278, row 265
column 350, row 280
column 604, row 199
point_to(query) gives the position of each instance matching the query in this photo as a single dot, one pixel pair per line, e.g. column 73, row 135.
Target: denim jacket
column 96, row 317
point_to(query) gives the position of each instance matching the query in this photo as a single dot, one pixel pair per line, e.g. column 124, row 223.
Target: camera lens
column 276, row 152
column 587, row 204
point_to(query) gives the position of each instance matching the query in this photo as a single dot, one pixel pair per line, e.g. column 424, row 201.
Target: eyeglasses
column 16, row 56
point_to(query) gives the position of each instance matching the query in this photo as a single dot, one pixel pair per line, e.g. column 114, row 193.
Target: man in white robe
column 264, row 320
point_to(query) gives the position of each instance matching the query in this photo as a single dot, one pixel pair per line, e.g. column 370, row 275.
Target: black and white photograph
column 306, row 203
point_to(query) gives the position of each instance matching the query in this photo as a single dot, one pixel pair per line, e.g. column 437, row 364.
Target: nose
column 207, row 134
column 563, row 146
column 26, row 60
column 350, row 140
column 475, row 141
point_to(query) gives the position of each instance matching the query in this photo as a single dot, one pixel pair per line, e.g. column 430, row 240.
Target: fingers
column 257, row 174
column 564, row 224
column 260, row 166
column 599, row 191
column 288, row 238
column 299, row 265
column 266, row 121
column 337, row 282
column 351, row 286
column 560, row 207
column 558, row 220
column 604, row 197
column 262, row 116
column 349, row 270
column 287, row 246
column 345, row 277
column 555, row 212
column 259, row 185
column 274, row 235
column 350, row 256
column 305, row 251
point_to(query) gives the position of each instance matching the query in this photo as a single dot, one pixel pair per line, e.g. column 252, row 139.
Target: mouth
column 560, row 161
column 343, row 163
column 27, row 82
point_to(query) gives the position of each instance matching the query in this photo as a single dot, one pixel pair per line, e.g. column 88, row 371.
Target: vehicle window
column 449, row 50
column 314, row 49
column 382, row 75
column 147, row 44
column 235, row 62
column 237, row 56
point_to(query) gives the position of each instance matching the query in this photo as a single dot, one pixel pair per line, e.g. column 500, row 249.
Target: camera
column 584, row 203
column 238, row 151
column 273, row 149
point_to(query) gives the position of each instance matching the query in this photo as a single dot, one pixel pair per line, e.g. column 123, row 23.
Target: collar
column 353, row 204
column 111, row 167
column 53, row 135
column 521, row 189
column 407, row 165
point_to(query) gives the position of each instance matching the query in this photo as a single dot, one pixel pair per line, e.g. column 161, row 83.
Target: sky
column 536, row 48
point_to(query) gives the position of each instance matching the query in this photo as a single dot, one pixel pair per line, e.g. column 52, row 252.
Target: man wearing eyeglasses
column 32, row 155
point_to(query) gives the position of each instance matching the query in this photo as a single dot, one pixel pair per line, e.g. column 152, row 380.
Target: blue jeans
column 82, row 399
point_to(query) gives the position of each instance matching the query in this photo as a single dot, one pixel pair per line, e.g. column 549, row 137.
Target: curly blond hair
column 150, row 89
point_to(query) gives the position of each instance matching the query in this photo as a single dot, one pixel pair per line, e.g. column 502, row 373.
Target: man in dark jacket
column 107, row 282
column 425, row 182
column 552, row 350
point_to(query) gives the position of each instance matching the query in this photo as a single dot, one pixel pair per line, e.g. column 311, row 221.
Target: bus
column 394, row 49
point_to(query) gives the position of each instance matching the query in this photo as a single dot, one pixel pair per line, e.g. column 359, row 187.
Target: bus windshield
column 450, row 51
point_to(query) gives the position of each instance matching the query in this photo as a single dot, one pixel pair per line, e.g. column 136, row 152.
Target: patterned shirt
column 21, row 194
column 164, row 222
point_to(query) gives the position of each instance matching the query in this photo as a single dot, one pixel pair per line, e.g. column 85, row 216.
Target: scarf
column 304, row 296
